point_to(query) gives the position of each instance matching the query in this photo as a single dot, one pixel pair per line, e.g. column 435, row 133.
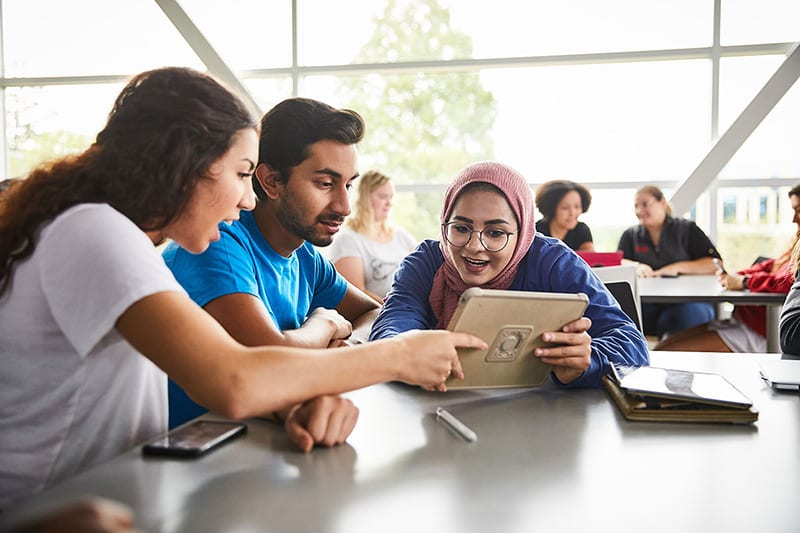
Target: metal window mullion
column 3, row 133
column 713, row 208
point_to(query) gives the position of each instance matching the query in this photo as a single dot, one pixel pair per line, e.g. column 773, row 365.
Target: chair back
column 622, row 282
column 623, row 292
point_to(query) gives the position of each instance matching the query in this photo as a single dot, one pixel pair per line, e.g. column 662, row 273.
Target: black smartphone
column 195, row 438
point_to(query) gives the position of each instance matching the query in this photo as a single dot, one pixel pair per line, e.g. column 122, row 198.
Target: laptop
column 601, row 259
column 781, row 374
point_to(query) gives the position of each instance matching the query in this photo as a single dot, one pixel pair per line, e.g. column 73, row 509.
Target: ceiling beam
column 729, row 143
column 205, row 51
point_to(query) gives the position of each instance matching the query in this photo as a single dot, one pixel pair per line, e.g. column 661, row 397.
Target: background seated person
column 488, row 240
column 746, row 331
column 369, row 247
column 666, row 245
column 561, row 202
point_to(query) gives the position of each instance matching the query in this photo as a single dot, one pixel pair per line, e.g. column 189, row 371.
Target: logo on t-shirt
column 642, row 249
column 382, row 269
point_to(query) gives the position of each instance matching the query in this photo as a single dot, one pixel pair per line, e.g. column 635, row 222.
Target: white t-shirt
column 73, row 392
column 381, row 259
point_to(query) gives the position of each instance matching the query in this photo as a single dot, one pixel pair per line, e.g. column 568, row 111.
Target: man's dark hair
column 290, row 128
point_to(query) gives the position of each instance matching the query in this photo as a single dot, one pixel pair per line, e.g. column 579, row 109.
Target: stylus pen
column 455, row 424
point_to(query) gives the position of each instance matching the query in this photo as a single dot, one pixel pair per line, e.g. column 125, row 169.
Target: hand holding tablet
column 511, row 323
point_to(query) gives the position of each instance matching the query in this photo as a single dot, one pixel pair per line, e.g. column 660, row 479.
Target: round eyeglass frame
column 446, row 226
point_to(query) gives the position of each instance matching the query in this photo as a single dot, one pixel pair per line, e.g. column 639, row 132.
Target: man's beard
column 309, row 233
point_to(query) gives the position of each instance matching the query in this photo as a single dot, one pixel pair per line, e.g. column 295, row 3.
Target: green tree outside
column 28, row 146
column 421, row 127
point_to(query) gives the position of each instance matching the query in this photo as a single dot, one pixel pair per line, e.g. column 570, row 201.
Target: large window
column 507, row 28
column 46, row 38
column 615, row 94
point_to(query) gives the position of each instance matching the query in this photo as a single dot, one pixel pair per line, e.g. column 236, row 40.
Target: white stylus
column 456, row 425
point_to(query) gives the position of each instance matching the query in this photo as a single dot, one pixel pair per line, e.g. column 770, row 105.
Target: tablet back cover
column 511, row 323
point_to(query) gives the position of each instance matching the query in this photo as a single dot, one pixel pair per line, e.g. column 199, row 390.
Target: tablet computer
column 684, row 385
column 781, row 374
column 511, row 323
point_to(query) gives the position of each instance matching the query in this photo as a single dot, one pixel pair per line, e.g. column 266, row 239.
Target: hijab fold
column 447, row 283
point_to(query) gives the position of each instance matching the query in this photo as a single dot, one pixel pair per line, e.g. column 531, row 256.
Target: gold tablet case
column 511, row 323
column 640, row 407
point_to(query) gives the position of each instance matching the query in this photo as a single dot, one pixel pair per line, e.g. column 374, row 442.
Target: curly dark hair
column 290, row 128
column 548, row 195
column 164, row 132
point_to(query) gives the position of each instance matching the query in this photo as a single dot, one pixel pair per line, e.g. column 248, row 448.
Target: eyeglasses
column 644, row 205
column 459, row 234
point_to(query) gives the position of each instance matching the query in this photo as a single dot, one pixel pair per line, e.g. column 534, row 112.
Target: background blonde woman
column 369, row 248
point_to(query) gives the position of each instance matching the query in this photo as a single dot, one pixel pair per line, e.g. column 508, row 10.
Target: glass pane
column 613, row 122
column 46, row 122
column 269, row 91
column 740, row 79
column 415, row 30
column 421, row 128
column 754, row 221
column 765, row 21
column 247, row 34
column 418, row 212
column 98, row 37
column 634, row 123
column 771, row 150
column 610, row 214
column 583, row 26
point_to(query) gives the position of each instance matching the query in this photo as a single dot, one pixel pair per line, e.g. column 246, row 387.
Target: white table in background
column 706, row 288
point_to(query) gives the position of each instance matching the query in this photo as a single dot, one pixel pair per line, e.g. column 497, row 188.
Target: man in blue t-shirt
column 264, row 280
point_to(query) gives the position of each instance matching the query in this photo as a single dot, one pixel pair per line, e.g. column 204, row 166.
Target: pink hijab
column 447, row 284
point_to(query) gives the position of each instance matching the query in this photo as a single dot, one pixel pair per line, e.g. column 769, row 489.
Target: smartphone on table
column 195, row 438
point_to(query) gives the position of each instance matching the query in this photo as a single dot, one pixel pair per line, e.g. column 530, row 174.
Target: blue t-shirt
column 243, row 262
column 549, row 266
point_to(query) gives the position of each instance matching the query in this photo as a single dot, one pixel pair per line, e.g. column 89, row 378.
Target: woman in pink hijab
column 488, row 240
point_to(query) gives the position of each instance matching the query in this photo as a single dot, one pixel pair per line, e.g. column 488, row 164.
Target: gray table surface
column 706, row 288
column 546, row 459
